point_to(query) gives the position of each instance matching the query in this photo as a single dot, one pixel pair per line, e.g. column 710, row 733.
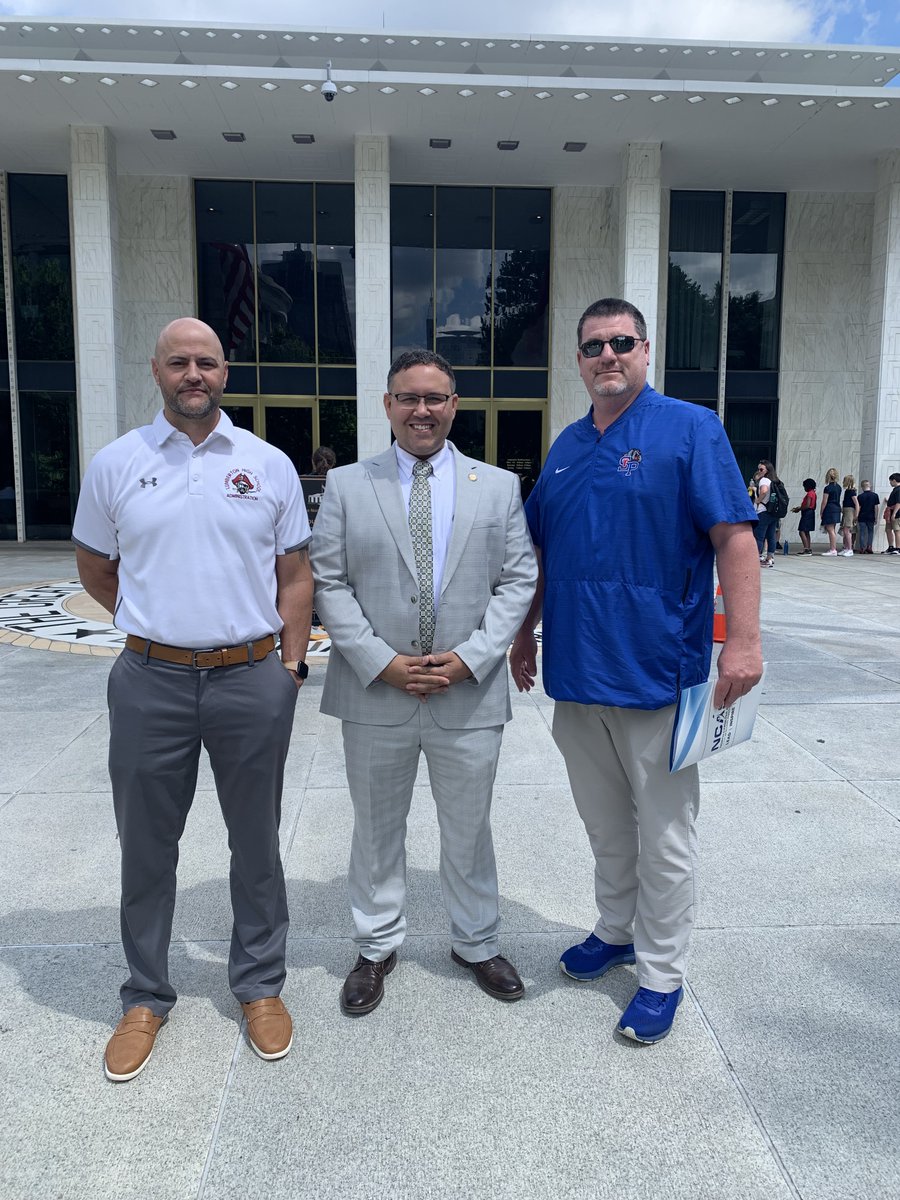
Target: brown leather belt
column 203, row 660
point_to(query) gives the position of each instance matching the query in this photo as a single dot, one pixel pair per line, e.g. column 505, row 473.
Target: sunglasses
column 622, row 343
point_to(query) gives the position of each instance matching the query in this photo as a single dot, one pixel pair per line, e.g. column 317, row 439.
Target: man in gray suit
column 424, row 570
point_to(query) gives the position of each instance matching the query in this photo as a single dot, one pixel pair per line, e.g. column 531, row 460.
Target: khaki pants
column 640, row 822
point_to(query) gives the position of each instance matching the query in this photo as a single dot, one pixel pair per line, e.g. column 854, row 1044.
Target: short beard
column 194, row 414
column 616, row 386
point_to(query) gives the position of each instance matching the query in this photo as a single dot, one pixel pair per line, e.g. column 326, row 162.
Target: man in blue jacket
column 634, row 504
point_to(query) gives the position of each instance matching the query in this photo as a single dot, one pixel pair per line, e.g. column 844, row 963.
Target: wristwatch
column 299, row 668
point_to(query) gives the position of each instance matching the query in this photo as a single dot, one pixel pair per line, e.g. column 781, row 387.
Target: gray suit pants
column 381, row 770
column 160, row 714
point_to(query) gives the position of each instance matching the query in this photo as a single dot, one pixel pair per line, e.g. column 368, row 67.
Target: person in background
column 849, row 515
column 892, row 516
column 831, row 510
column 323, row 459
column 767, row 523
column 807, row 510
column 868, row 508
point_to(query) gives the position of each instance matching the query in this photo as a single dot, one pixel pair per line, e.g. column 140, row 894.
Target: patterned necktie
column 420, row 531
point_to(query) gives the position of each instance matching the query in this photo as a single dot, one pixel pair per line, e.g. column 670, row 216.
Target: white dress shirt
column 443, row 501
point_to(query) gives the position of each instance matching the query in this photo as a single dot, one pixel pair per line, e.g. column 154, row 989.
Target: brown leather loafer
column 496, row 976
column 128, row 1050
column 269, row 1027
column 363, row 988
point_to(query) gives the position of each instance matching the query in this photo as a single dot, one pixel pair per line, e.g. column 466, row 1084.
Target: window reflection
column 41, row 268
column 463, row 273
column 49, row 463
column 521, row 277
column 754, row 299
column 4, row 349
column 286, row 287
column 290, row 429
column 226, row 262
column 520, row 443
column 695, row 281
column 469, row 432
column 336, row 275
column 412, row 268
column 337, row 428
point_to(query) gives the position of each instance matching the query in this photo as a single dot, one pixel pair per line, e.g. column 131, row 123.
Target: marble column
column 880, row 431
column 373, row 290
column 95, row 271
column 640, row 203
column 585, row 243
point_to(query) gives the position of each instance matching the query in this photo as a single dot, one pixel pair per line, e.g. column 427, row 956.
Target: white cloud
column 732, row 20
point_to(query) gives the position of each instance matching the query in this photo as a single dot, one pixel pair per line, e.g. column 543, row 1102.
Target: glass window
column 290, row 429
column 463, row 273
column 286, row 255
column 226, row 263
column 337, row 428
column 412, row 269
column 696, row 234
column 49, row 463
column 521, row 277
column 754, row 293
column 241, row 415
column 4, row 347
column 751, row 426
column 42, row 281
column 336, row 275
column 520, row 444
column 469, row 432
column 7, row 475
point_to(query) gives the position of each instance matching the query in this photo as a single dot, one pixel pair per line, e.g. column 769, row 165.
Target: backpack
column 779, row 501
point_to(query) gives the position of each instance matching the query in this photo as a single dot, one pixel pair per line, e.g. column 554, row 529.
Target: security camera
column 329, row 90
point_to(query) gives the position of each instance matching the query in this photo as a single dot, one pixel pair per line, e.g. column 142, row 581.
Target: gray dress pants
column 160, row 714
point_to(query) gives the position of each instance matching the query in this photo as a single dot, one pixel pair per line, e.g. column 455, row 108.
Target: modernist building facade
column 469, row 194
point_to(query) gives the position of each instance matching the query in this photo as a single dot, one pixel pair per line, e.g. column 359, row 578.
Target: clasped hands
column 425, row 675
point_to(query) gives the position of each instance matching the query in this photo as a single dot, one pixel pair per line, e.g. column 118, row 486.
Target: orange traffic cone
column 719, row 617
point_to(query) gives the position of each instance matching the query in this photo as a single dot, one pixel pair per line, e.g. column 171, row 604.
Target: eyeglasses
column 411, row 400
column 622, row 343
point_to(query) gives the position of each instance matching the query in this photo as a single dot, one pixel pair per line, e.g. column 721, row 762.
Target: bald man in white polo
column 194, row 534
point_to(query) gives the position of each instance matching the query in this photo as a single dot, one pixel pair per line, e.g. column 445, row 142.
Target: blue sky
column 871, row 22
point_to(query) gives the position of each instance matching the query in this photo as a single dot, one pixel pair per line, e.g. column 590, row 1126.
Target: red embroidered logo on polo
column 242, row 484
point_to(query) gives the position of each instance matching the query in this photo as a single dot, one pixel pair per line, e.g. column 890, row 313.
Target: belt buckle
column 194, row 653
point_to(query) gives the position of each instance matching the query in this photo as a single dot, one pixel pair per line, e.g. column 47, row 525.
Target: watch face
column 302, row 670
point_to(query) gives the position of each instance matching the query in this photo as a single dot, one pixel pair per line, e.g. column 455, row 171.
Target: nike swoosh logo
column 559, row 470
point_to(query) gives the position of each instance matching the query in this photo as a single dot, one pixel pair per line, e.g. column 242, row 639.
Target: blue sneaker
column 592, row 958
column 649, row 1016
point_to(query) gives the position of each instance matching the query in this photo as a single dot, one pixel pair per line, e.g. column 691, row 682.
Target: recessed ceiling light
column 183, row 32
column 289, row 37
column 844, row 103
column 613, row 49
column 426, row 91
column 574, row 147
column 164, row 135
column 879, row 58
column 735, row 54
column 539, row 46
column 263, row 36
column 148, row 83
column 389, row 41
column 878, row 79
column 760, row 54
column 348, row 88
column 440, row 42
column 695, row 99
column 210, row 33
column 785, row 54
column 26, row 78
column 663, row 50
column 638, row 49
column 439, row 143
column 588, row 47
column 105, row 29
column 582, row 96
column 339, row 40
column 711, row 52
column 80, row 29
column 882, row 104
column 619, row 96
column 190, row 84
column 53, row 29
column 564, row 46
column 465, row 44
column 688, row 51
column 465, row 93
column 658, row 98
column 542, row 95
column 505, row 94
column 507, row 145
column 732, row 99
column 303, row 139
column 238, row 36
column 229, row 85
column 807, row 103
column 234, row 137
column 106, row 81
column 855, row 57
column 414, row 41
column 66, row 79
column 312, row 38
column 809, row 54
column 269, row 87
column 830, row 56
column 514, row 45
column 768, row 103
column 489, row 45
column 387, row 91
column 308, row 87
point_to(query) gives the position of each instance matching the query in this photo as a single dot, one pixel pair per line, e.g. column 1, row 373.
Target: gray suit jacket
column 367, row 591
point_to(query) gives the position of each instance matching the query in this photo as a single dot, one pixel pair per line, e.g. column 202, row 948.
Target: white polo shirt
column 196, row 530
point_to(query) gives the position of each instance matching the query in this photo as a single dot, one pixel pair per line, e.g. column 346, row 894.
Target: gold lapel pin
column 473, row 476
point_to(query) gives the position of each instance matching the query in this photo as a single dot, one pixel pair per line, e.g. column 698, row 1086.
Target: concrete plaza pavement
column 780, row 1080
